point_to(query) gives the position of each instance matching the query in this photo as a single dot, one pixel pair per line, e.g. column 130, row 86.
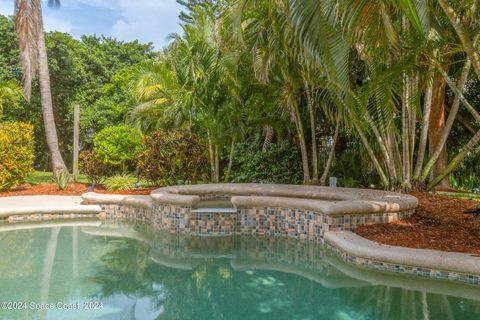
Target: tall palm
column 33, row 56
column 401, row 43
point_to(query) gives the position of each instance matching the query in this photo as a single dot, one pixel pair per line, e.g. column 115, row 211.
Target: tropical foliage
column 117, row 147
column 16, row 153
column 173, row 157
column 379, row 93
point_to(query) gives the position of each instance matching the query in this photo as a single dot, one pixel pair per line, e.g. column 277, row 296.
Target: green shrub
column 120, row 182
column 16, row 153
column 171, row 158
column 95, row 170
column 280, row 163
column 117, row 146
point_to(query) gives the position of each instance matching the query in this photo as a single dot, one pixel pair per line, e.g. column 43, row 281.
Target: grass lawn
column 41, row 177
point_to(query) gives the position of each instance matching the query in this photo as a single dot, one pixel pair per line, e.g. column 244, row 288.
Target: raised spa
column 301, row 212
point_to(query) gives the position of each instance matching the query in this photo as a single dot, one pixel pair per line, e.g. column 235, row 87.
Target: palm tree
column 403, row 46
column 33, row 57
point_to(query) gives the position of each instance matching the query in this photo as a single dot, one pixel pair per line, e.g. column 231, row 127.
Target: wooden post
column 76, row 140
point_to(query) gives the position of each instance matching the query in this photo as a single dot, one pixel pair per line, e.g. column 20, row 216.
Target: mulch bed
column 439, row 223
column 73, row 189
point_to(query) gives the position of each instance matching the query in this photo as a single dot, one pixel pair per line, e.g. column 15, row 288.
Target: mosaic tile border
column 293, row 223
column 404, row 269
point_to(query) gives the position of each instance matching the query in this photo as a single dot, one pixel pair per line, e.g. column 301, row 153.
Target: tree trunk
column 323, row 178
column 217, row 164
column 212, row 157
column 230, row 160
column 406, row 132
column 311, row 113
column 455, row 162
column 436, row 127
column 422, row 147
column 58, row 164
column 303, row 145
column 450, row 120
column 378, row 167
column 462, row 34
column 269, row 133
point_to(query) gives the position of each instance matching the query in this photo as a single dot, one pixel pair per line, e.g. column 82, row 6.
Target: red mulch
column 439, row 223
column 73, row 189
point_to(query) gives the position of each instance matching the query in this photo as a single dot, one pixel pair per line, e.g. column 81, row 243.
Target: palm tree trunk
column 467, row 43
column 413, row 122
column 406, row 131
column 436, row 127
column 378, row 167
column 422, row 146
column 269, row 132
column 450, row 120
column 217, row 164
column 211, row 156
column 230, row 160
column 303, row 145
column 313, row 137
column 58, row 164
column 382, row 143
column 456, row 161
column 323, row 178
column 458, row 92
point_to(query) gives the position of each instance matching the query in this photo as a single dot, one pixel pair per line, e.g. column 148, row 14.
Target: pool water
column 129, row 271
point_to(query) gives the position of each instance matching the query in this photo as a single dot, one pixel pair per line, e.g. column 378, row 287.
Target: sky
column 127, row 20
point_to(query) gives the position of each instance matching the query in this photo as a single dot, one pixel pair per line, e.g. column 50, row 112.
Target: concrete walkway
column 29, row 205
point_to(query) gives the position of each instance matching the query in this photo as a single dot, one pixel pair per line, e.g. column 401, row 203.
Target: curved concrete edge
column 325, row 207
column 94, row 222
column 404, row 281
column 131, row 200
column 175, row 199
column 358, row 246
column 315, row 198
column 44, row 205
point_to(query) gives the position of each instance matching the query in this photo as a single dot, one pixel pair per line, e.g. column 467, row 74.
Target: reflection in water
column 137, row 273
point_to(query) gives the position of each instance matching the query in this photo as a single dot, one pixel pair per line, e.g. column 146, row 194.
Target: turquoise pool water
column 93, row 270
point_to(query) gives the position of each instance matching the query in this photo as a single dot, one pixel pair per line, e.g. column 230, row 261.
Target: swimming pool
column 117, row 270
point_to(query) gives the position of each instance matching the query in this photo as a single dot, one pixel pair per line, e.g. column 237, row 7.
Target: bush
column 92, row 167
column 120, row 182
column 280, row 163
column 117, row 147
column 16, row 153
column 172, row 157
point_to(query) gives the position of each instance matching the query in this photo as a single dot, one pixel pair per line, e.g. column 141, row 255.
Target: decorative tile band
column 412, row 270
column 293, row 223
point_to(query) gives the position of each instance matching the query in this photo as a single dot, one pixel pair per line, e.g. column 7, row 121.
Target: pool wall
column 300, row 212
column 318, row 214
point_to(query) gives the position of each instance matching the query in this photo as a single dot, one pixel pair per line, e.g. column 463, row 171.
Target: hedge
column 16, row 153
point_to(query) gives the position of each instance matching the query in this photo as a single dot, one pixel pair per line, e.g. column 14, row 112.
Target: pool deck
column 348, row 245
column 45, row 205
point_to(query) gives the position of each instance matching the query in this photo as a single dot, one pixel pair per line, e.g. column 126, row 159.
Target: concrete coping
column 358, row 246
column 32, row 205
column 118, row 199
column 314, row 198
